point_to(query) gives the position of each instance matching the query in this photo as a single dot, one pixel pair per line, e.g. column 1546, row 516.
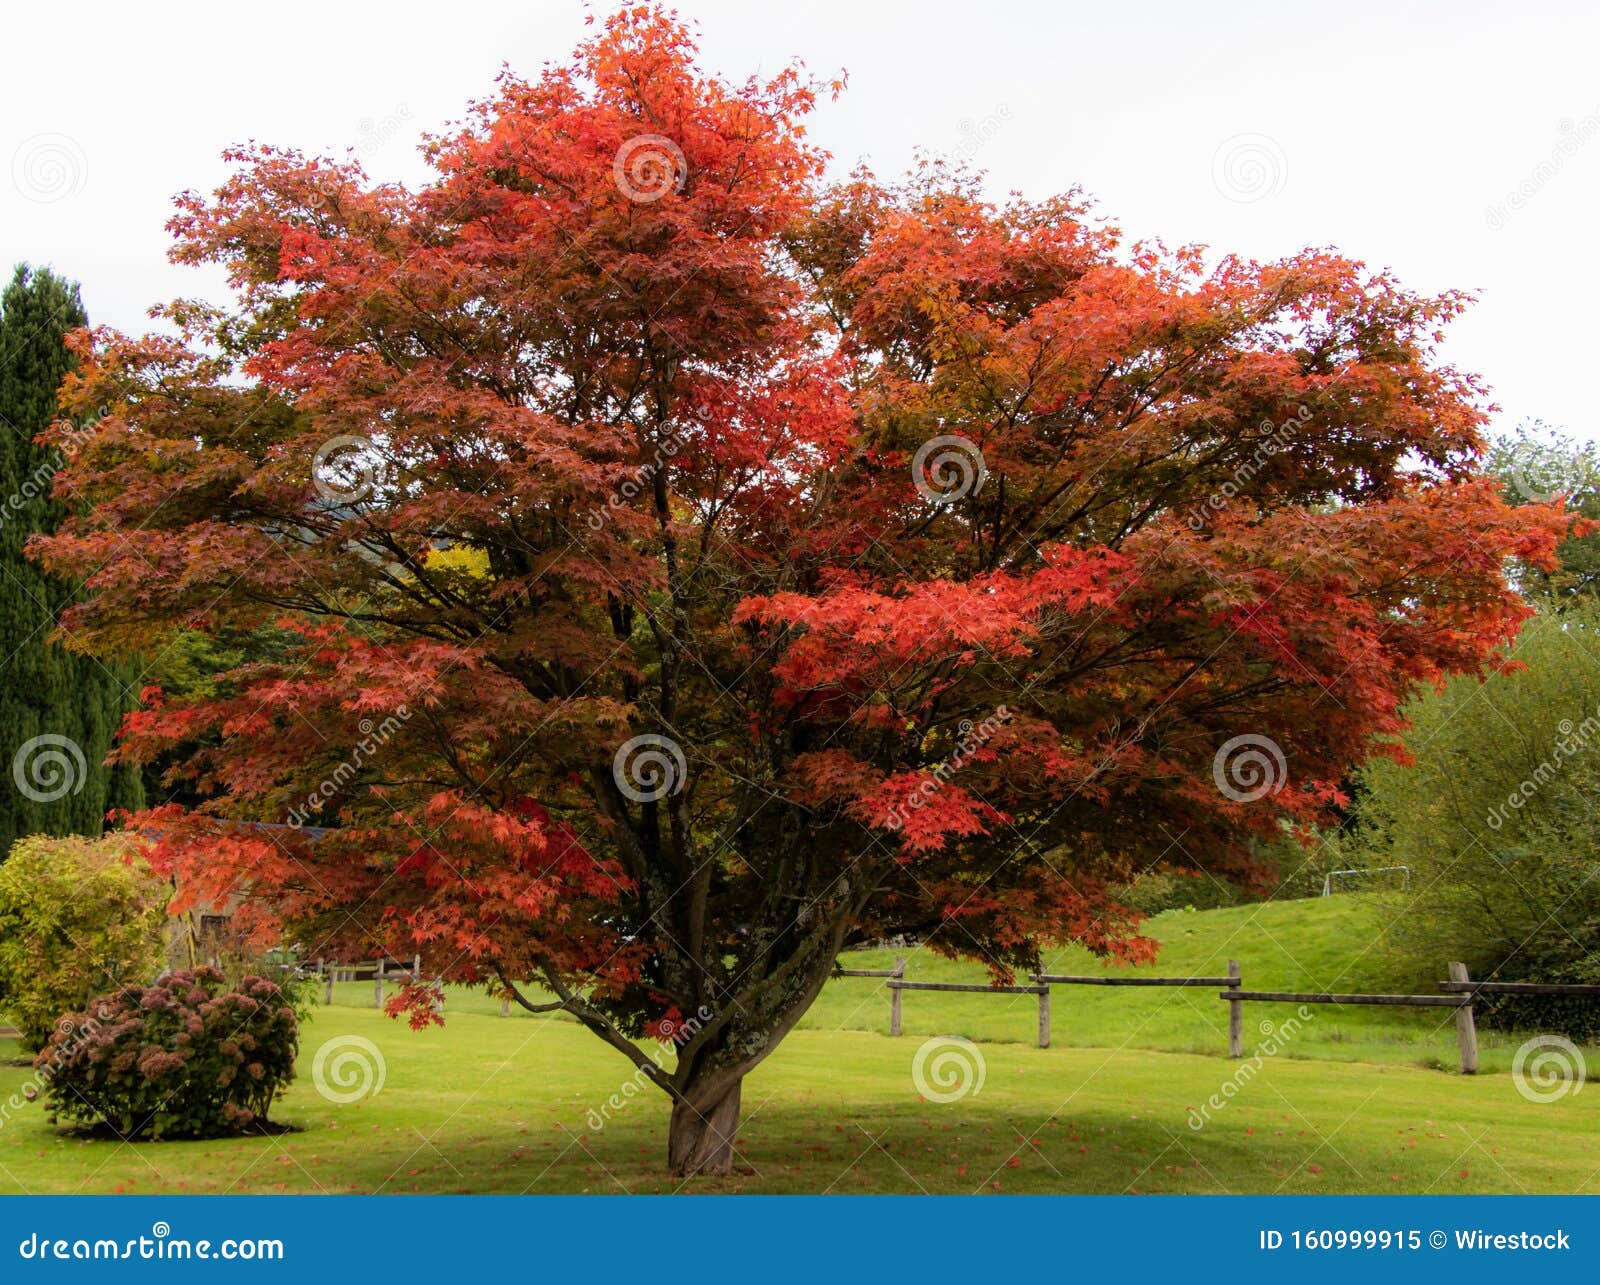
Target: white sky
column 1458, row 144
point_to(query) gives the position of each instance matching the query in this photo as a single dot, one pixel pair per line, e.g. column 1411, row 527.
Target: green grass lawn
column 1354, row 1104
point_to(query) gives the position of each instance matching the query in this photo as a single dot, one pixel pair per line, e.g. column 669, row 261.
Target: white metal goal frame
column 1327, row 880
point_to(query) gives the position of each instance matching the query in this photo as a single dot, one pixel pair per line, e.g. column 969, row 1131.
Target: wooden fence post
column 1044, row 1016
column 1466, row 1027
column 327, row 982
column 505, row 1006
column 377, row 984
column 895, row 1001
column 1235, row 1012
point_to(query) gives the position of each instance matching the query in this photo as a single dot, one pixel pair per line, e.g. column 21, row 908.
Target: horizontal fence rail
column 899, row 970
column 898, row 987
column 1066, row 979
column 1577, row 990
column 1315, row 997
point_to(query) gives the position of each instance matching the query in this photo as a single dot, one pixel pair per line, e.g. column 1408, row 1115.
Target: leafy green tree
column 78, row 918
column 1536, row 463
column 1495, row 816
column 59, row 708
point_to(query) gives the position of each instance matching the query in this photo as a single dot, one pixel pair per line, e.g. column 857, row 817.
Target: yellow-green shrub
column 79, row 917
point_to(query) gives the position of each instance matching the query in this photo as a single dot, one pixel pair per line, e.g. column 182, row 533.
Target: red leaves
column 855, row 641
column 668, row 1028
column 420, row 1002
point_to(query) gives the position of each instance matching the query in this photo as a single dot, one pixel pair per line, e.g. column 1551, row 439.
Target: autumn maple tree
column 667, row 568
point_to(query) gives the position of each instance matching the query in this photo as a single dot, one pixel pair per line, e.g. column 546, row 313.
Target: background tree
column 694, row 571
column 1535, row 464
column 195, row 661
column 73, row 701
column 1494, row 813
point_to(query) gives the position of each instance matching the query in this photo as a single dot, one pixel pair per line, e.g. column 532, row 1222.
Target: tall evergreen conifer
column 59, row 709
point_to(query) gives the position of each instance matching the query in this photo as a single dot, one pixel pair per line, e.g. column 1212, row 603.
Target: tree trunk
column 702, row 1133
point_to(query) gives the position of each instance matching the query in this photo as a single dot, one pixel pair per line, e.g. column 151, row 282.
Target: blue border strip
column 881, row 1239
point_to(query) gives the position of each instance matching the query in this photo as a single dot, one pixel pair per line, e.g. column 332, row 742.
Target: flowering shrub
column 179, row 1058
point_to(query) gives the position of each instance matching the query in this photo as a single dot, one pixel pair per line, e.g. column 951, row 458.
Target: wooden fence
column 1458, row 994
column 1041, row 984
column 1233, row 981
column 1466, row 1033
column 897, row 989
column 1040, row 987
column 377, row 969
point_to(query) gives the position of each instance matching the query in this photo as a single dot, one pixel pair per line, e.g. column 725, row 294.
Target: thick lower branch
column 569, row 1001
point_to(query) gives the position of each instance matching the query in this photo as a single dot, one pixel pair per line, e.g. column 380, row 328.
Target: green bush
column 78, row 917
column 1496, row 818
column 1288, row 869
column 183, row 1057
column 1163, row 890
